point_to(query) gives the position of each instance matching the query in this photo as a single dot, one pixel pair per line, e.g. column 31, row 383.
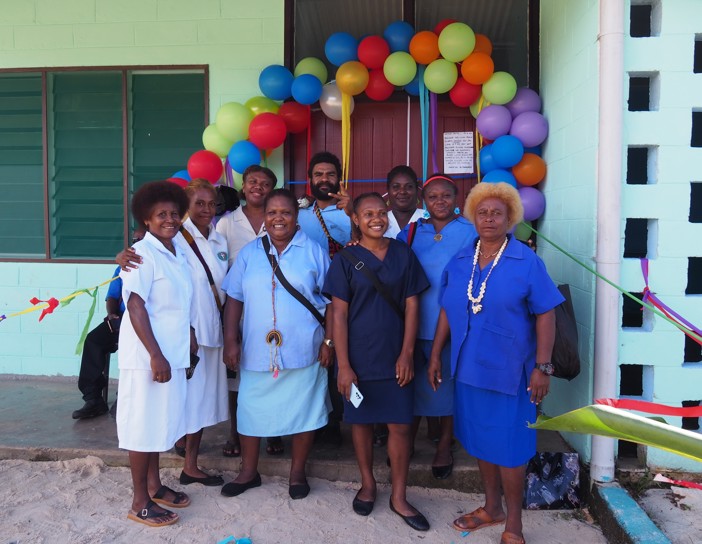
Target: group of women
column 383, row 310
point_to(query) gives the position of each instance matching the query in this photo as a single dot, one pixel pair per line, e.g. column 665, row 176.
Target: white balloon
column 330, row 101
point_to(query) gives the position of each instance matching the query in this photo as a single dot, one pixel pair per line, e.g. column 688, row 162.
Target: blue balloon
column 306, row 89
column 507, row 151
column 275, row 81
column 535, row 150
column 398, row 35
column 341, row 47
column 495, row 176
column 487, row 161
column 412, row 88
column 182, row 174
column 242, row 155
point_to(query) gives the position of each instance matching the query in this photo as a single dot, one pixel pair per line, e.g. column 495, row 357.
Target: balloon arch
column 450, row 59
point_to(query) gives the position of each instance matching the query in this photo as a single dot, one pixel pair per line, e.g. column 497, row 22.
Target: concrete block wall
column 568, row 85
column 667, row 57
column 235, row 38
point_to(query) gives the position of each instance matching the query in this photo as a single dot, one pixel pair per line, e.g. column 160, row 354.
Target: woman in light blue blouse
column 435, row 241
column 283, row 350
column 497, row 301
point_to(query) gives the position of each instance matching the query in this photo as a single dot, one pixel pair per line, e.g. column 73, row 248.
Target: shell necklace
column 476, row 305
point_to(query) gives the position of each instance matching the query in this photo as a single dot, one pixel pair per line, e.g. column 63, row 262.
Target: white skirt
column 150, row 416
column 206, row 402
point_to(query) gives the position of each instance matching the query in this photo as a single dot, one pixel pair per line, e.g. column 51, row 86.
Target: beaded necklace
column 476, row 305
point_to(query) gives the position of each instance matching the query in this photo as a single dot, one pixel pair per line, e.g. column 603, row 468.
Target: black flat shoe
column 418, row 522
column 209, row 480
column 298, row 491
column 91, row 408
column 232, row 489
column 362, row 508
column 442, row 472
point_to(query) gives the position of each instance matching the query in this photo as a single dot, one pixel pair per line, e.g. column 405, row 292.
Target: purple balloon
column 530, row 127
column 507, row 151
column 524, row 100
column 494, row 121
column 534, row 203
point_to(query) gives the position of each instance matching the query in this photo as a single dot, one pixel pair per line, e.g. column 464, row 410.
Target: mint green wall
column 667, row 57
column 235, row 38
column 569, row 80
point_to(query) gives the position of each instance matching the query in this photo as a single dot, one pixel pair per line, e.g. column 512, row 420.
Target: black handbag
column 552, row 482
column 565, row 357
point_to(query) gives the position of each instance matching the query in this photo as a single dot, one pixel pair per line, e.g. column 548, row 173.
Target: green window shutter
column 85, row 164
column 21, row 172
column 167, row 119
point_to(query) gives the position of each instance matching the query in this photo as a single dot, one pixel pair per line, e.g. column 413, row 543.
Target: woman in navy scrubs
column 497, row 300
column 375, row 348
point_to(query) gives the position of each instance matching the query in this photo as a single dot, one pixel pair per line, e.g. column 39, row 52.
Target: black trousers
column 98, row 343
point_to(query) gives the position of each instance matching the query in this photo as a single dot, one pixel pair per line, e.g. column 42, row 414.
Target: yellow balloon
column 352, row 78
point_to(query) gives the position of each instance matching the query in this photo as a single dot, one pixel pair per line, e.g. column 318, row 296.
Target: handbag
column 552, row 482
column 379, row 287
column 565, row 357
column 286, row 284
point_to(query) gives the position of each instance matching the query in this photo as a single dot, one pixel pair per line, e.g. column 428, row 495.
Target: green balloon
column 475, row 107
column 500, row 88
column 213, row 141
column 314, row 66
column 261, row 104
column 456, row 42
column 238, row 180
column 400, row 68
column 522, row 232
column 440, row 76
column 232, row 121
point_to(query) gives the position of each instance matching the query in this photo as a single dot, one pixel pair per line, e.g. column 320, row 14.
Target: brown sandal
column 511, row 538
column 477, row 519
column 149, row 516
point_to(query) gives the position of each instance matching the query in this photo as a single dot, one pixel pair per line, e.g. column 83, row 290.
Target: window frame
column 124, row 70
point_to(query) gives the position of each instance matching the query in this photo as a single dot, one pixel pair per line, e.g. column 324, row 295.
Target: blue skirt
column 383, row 402
column 492, row 426
column 428, row 402
column 294, row 402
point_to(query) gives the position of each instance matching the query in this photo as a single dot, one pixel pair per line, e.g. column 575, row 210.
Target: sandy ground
column 85, row 501
column 677, row 511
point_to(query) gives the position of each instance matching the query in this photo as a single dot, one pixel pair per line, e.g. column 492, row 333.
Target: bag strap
column 333, row 246
column 285, row 283
column 368, row 273
column 193, row 245
column 411, row 233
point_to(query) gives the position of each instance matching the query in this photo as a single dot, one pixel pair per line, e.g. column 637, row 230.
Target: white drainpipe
column 609, row 181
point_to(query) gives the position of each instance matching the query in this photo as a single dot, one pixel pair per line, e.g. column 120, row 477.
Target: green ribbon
column 91, row 313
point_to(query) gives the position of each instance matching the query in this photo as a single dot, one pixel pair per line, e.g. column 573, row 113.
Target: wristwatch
column 329, row 342
column 546, row 368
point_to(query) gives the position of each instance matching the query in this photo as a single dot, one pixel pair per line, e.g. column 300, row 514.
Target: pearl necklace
column 476, row 305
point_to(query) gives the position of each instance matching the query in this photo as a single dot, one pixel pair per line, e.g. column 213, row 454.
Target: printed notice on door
column 458, row 152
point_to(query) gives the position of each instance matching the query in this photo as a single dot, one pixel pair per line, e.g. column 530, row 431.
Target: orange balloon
column 352, row 77
column 530, row 170
column 424, row 47
column 477, row 68
column 482, row 44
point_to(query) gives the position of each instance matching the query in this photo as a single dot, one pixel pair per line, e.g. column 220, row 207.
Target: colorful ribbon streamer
column 433, row 107
column 308, row 188
column 345, row 138
column 424, row 119
column 652, row 407
column 51, row 305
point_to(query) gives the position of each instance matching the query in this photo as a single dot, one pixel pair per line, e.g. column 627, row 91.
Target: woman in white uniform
column 155, row 345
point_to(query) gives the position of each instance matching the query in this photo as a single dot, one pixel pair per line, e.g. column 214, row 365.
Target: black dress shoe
column 232, row 489
column 362, row 508
column 418, row 522
column 298, row 491
column 208, row 480
column 91, row 408
column 442, row 472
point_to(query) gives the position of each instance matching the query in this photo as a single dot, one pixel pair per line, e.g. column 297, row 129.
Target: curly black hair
column 327, row 157
column 284, row 193
column 402, row 170
column 153, row 192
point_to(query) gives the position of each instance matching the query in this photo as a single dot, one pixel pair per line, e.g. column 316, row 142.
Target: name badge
column 222, row 256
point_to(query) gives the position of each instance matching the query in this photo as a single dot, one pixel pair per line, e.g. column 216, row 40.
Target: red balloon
column 205, row 164
column 463, row 94
column 372, row 52
column 379, row 88
column 443, row 24
column 179, row 181
column 267, row 131
column 295, row 115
